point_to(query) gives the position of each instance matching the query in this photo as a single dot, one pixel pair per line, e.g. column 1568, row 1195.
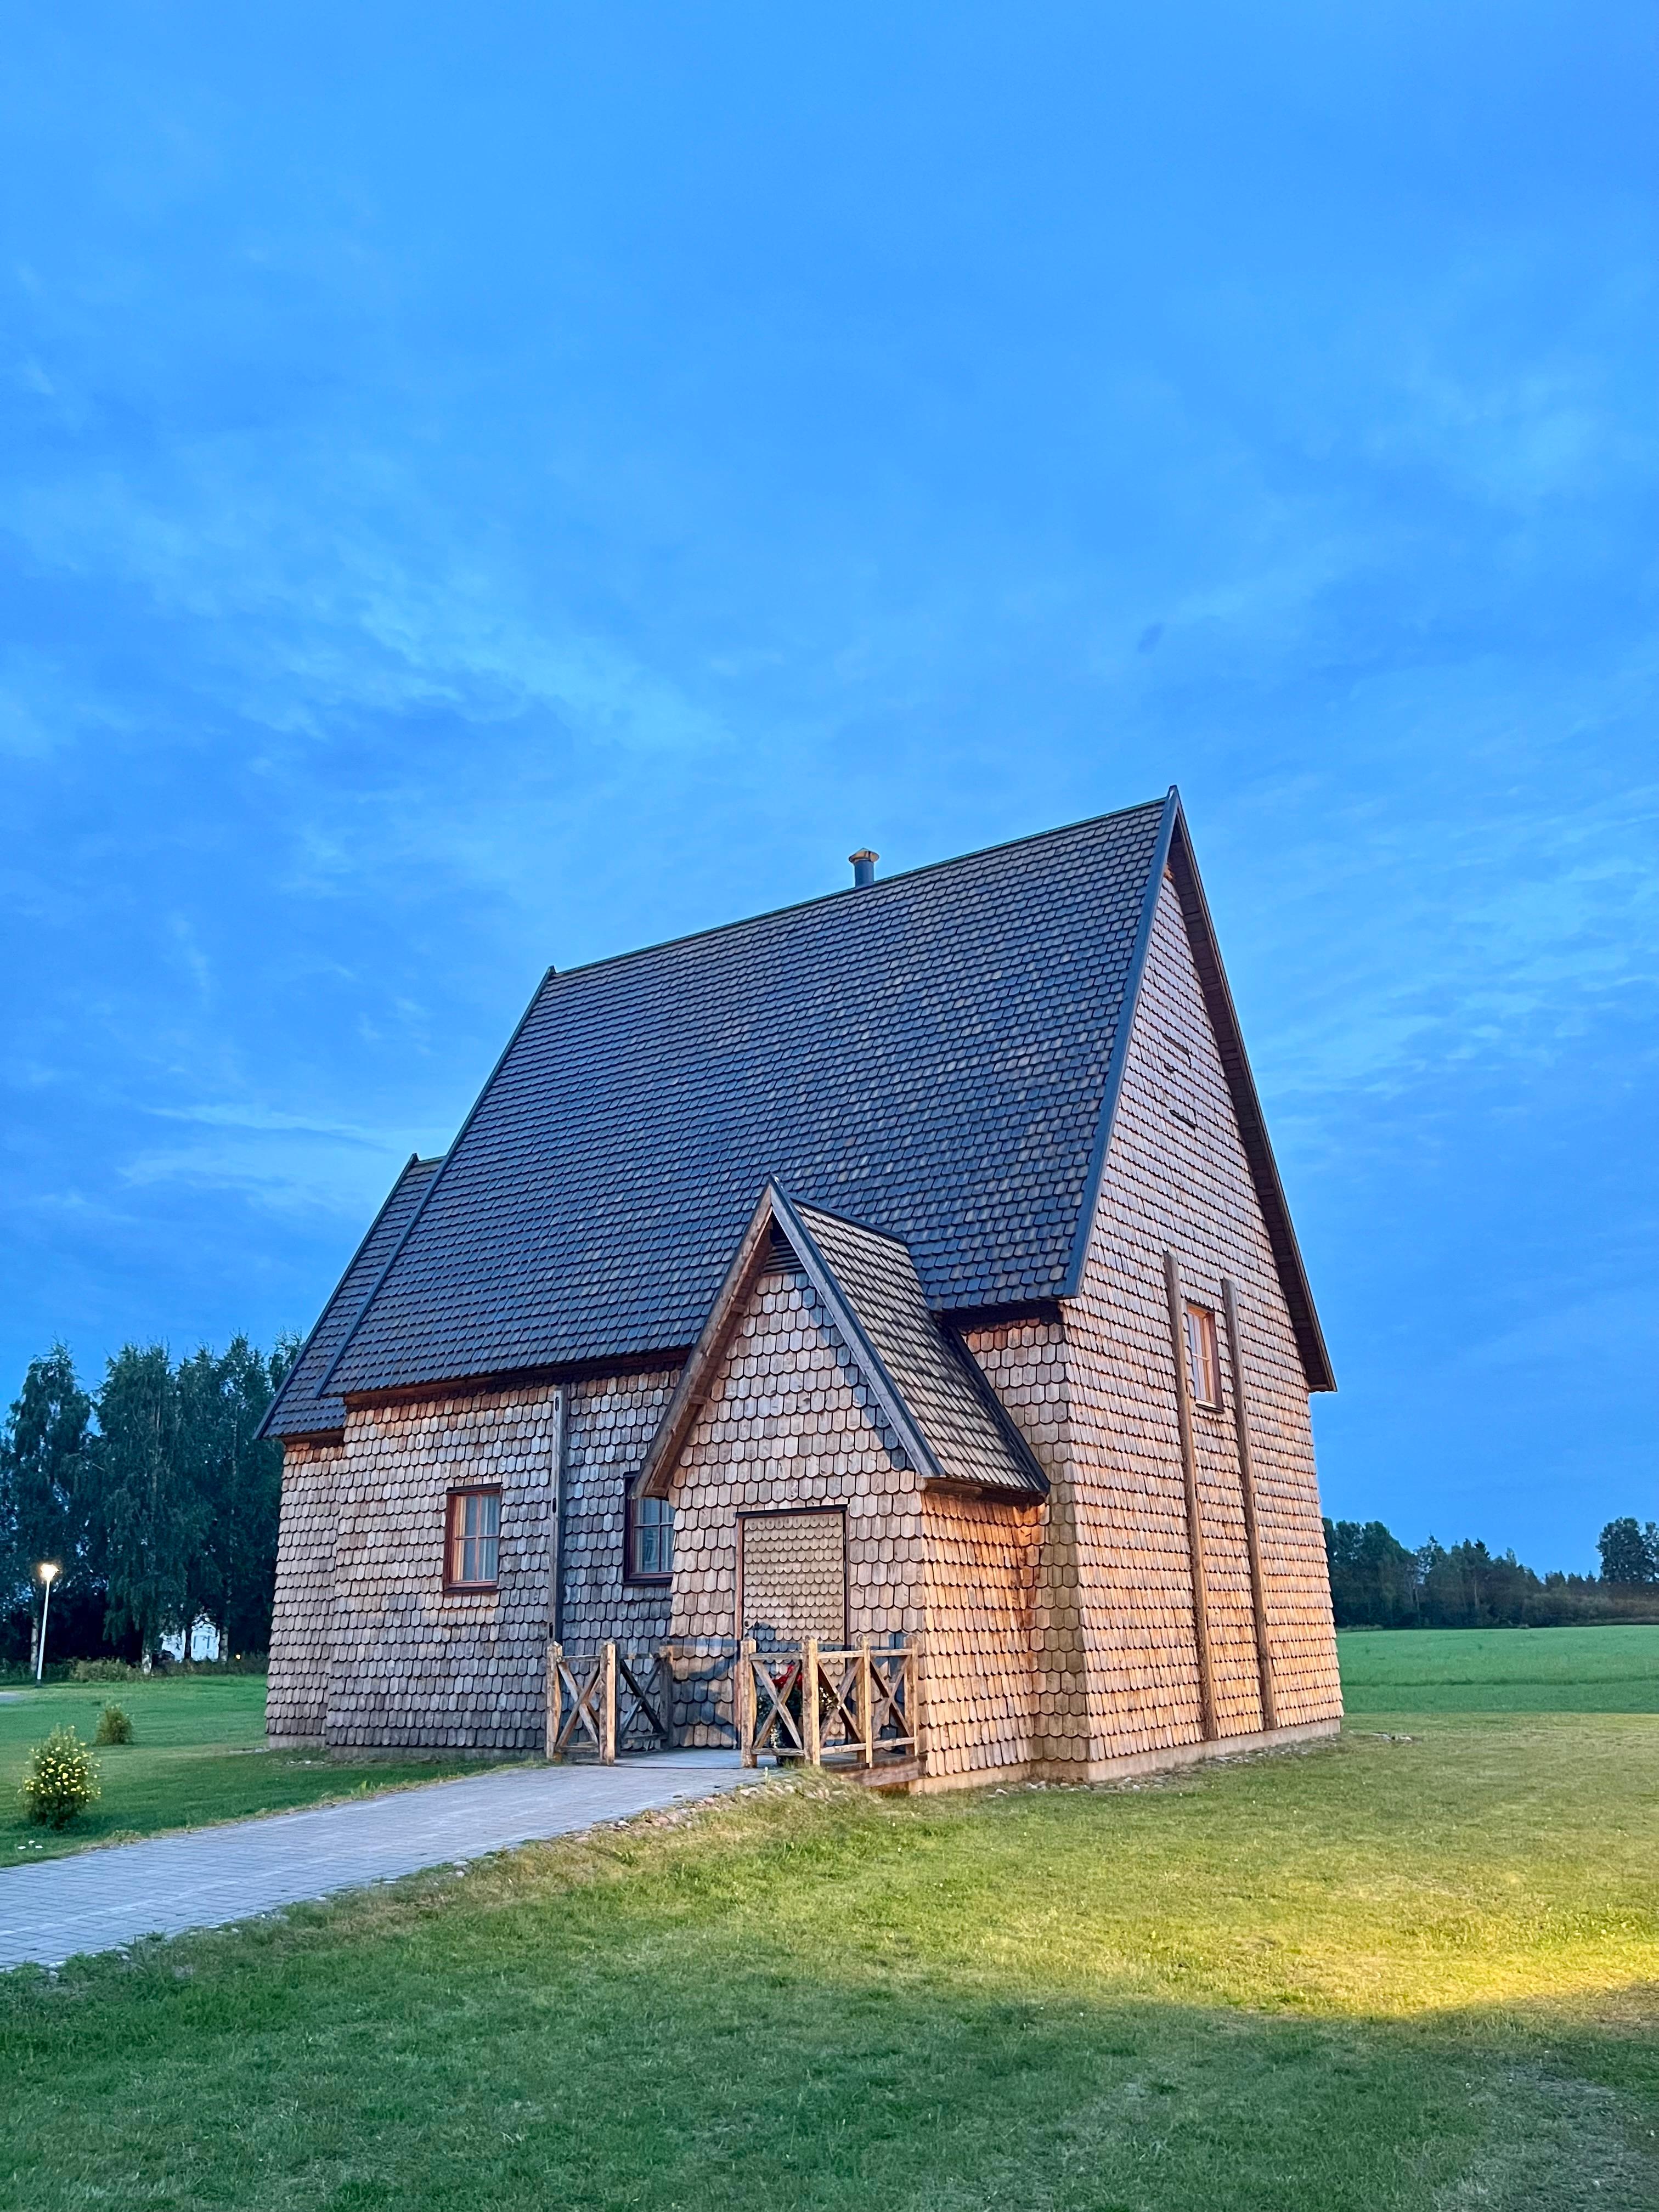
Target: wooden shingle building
column 910, row 1265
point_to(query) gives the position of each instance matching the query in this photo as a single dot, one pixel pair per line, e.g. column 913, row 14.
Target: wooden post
column 554, row 1696
column 1190, row 1476
column 914, row 1695
column 811, row 1747
column 866, row 1706
column 608, row 1712
column 743, row 1700
column 1264, row 1657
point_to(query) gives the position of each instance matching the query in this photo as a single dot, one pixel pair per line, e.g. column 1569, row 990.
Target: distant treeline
column 159, row 1507
column 1376, row 1582
column 150, row 1494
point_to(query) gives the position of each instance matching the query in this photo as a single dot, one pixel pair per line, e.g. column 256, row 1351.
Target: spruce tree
column 148, row 1517
column 43, row 1476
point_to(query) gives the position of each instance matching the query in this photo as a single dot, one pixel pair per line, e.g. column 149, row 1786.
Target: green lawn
column 199, row 1755
column 1418, row 1968
column 1567, row 1670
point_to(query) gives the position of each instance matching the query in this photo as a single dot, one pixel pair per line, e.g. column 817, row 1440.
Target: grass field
column 1566, row 1670
column 1416, row 1968
column 199, row 1755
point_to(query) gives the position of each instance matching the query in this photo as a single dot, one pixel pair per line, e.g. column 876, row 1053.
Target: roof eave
column 1246, row 1110
column 997, row 1493
column 264, row 1429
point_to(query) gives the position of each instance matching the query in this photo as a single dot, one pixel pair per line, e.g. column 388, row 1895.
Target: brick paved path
column 100, row 1899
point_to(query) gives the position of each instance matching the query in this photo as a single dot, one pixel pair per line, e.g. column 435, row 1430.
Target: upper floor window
column 472, row 1549
column 650, row 1538
column 1203, row 1366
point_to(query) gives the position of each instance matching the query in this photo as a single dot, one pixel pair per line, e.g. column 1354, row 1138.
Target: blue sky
column 488, row 487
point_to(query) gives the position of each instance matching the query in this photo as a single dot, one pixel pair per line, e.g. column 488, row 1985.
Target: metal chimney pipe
column 864, row 866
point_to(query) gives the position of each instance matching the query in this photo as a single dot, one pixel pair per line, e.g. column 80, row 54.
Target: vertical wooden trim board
column 1264, row 1660
column 555, row 1534
column 1194, row 1521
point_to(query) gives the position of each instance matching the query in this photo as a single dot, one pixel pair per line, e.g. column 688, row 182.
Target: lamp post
column 48, row 1576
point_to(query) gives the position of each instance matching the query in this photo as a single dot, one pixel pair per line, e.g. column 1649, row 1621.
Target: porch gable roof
column 935, row 1399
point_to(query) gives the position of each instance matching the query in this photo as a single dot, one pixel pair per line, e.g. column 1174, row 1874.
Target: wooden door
column 792, row 1576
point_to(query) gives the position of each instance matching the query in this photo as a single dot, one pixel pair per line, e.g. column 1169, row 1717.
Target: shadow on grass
column 720, row 2017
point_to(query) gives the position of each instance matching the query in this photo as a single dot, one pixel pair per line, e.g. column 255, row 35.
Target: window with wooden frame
column 1203, row 1362
column 649, row 1552
column 472, row 1540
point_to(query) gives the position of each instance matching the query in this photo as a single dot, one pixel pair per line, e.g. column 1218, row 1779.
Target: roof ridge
column 847, row 890
column 1084, row 1231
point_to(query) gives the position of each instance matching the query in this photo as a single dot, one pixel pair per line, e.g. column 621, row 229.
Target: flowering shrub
column 114, row 1725
column 102, row 1670
column 62, row 1779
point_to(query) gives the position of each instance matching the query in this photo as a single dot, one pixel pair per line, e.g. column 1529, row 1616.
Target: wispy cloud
column 268, row 1121
column 306, row 1173
column 359, row 603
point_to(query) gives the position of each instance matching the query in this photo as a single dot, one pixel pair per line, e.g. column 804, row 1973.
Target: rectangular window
column 650, row 1538
column 473, row 1544
column 1203, row 1367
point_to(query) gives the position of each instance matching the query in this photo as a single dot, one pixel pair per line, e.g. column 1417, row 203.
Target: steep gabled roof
column 927, row 1054
column 299, row 1410
column 936, row 1055
column 936, row 1402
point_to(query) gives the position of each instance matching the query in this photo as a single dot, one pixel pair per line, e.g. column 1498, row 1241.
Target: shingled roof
column 302, row 1409
column 934, row 1055
column 938, row 1403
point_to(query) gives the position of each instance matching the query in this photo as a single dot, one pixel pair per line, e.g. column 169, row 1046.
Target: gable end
column 1175, row 854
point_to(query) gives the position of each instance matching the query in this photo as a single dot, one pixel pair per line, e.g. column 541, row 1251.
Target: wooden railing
column 827, row 1708
column 612, row 1703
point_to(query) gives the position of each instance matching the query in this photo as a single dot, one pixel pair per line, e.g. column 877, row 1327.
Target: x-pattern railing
column 601, row 1702
column 818, row 1705
column 774, row 1706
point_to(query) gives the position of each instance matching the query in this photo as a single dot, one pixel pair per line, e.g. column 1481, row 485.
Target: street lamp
column 48, row 1576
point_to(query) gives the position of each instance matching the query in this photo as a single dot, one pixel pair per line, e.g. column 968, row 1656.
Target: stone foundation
column 1204, row 1752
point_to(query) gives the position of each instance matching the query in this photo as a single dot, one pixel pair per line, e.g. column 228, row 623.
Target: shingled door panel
column 792, row 1577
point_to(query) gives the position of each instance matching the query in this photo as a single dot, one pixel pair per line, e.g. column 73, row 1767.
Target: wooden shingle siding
column 609, row 1422
column 302, row 1616
column 1117, row 1584
column 790, row 1423
column 980, row 1564
column 411, row 1664
column 1024, row 1363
